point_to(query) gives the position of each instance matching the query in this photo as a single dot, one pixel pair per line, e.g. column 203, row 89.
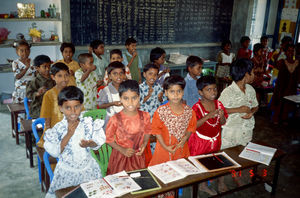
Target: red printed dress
column 207, row 138
column 172, row 127
column 128, row 132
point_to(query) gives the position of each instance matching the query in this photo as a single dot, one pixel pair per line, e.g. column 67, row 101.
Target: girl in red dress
column 210, row 114
column 128, row 132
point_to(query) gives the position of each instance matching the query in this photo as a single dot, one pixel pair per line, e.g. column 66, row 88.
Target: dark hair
column 149, row 66
column 286, row 39
column 129, row 41
column 225, row 42
column 192, row 61
column 95, row 44
column 41, row 59
column 115, row 65
column 156, row 53
column 131, row 85
column 173, row 80
column 21, row 42
column 263, row 38
column 289, row 46
column 65, row 45
column 244, row 38
column 70, row 93
column 239, row 69
column 58, row 67
column 115, row 51
column 257, row 47
column 83, row 57
column 205, row 81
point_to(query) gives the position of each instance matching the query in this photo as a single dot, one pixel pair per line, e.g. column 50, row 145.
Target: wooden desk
column 15, row 109
column 27, row 129
column 194, row 180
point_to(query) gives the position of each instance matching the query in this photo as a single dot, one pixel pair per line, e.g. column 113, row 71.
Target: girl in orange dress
column 172, row 124
column 128, row 132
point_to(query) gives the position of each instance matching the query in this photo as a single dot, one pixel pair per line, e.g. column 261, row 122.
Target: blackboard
column 150, row 21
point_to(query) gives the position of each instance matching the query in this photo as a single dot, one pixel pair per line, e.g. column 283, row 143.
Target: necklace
column 211, row 124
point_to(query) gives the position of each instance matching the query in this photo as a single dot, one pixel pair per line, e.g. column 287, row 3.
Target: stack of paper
column 258, row 153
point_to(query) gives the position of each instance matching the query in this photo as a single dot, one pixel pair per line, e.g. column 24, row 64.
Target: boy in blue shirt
column 194, row 68
column 132, row 60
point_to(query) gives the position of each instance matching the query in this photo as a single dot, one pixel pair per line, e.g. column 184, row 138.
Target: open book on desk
column 110, row 186
column 173, row 170
column 258, row 153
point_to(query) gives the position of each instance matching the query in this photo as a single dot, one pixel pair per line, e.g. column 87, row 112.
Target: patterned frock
column 20, row 84
column 75, row 165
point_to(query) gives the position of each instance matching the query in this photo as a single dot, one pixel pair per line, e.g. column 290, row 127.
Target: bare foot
column 204, row 188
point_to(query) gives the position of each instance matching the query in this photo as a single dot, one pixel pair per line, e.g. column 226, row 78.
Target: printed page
column 183, row 166
column 258, row 153
column 98, row 188
column 165, row 173
column 122, row 183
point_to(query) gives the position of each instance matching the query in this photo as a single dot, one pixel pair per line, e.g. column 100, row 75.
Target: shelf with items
column 9, row 43
column 31, row 19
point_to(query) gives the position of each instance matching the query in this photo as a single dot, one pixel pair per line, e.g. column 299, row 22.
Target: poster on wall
column 289, row 14
column 284, row 28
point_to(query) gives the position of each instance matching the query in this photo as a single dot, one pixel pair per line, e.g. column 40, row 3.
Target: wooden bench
column 15, row 109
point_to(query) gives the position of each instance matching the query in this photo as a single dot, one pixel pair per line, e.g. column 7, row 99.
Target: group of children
column 182, row 113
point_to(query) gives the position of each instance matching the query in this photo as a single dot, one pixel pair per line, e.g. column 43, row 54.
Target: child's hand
column 41, row 91
column 220, row 112
column 128, row 152
column 134, row 54
column 160, row 96
column 117, row 103
column 27, row 62
column 247, row 116
column 99, row 83
column 171, row 148
column 212, row 114
column 244, row 109
column 141, row 150
column 72, row 126
column 150, row 91
column 87, row 143
column 167, row 70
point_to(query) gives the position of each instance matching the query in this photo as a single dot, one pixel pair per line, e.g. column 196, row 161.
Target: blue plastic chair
column 27, row 108
column 48, row 165
column 37, row 138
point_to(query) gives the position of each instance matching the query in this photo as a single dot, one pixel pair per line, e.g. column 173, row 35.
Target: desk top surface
column 232, row 152
column 16, row 107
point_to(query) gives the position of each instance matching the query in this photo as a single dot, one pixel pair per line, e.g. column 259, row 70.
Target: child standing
column 97, row 47
column 224, row 58
column 286, row 84
column 128, row 131
column 87, row 80
column 68, row 50
column 116, row 55
column 49, row 110
column 151, row 93
column 23, row 71
column 132, row 60
column 71, row 140
column 267, row 51
column 37, row 87
column 109, row 97
column 157, row 57
column 194, row 68
column 279, row 53
column 211, row 114
column 240, row 101
column 172, row 124
column 244, row 51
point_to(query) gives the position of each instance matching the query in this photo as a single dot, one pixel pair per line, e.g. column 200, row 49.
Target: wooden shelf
column 9, row 43
column 25, row 19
